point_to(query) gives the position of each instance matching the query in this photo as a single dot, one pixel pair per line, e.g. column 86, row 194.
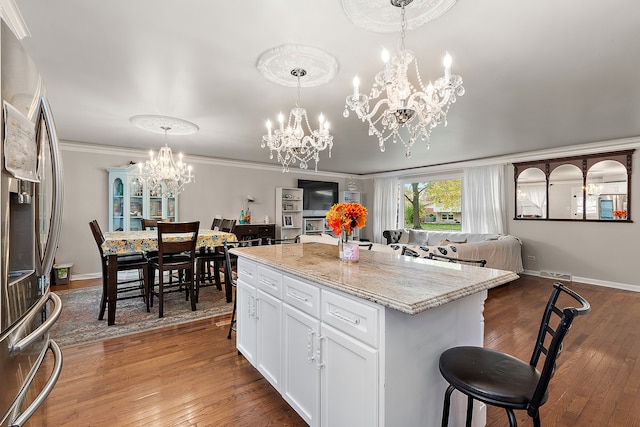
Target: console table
column 255, row 231
column 358, row 344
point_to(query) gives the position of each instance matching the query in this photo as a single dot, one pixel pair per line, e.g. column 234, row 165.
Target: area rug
column 79, row 324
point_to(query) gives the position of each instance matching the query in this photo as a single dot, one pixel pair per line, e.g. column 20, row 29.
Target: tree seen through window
column 433, row 205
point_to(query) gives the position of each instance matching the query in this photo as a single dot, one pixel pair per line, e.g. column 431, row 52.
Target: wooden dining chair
column 126, row 289
column 176, row 251
column 227, row 225
column 215, row 225
column 211, row 259
column 152, row 224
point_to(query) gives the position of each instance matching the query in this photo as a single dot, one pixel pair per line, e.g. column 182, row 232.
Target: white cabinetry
column 344, row 360
column 288, row 212
column 130, row 201
column 349, row 380
column 329, row 343
column 259, row 311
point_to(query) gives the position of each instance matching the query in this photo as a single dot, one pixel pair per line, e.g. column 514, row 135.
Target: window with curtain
column 433, row 204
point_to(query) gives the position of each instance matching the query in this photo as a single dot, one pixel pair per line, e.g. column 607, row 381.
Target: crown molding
column 10, row 13
column 566, row 151
column 82, row 147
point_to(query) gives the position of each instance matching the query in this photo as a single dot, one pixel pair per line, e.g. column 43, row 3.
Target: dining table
column 140, row 241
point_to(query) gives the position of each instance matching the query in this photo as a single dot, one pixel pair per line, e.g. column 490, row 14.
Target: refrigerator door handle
column 44, row 327
column 47, row 258
column 18, row 419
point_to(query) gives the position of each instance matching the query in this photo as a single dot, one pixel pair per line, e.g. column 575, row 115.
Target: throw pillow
column 417, row 237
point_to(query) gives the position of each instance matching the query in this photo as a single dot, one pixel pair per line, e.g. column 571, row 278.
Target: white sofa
column 501, row 251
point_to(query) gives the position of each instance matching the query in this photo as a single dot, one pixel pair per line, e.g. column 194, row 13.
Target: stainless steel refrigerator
column 30, row 219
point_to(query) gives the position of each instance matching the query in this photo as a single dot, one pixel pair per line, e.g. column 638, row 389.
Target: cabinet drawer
column 352, row 317
column 269, row 280
column 246, row 270
column 303, row 296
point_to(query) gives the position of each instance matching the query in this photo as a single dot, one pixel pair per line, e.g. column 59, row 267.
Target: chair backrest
column 409, row 252
column 177, row 238
column 149, row 224
column 227, row 225
column 366, row 245
column 557, row 330
column 215, row 225
column 250, row 242
column 478, row 262
column 228, row 269
column 272, row 241
column 97, row 235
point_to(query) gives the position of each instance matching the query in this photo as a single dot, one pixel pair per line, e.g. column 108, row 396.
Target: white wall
column 219, row 189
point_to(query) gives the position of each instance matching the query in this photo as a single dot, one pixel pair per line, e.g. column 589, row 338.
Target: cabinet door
column 301, row 375
column 349, row 381
column 246, row 331
column 269, row 341
column 136, row 209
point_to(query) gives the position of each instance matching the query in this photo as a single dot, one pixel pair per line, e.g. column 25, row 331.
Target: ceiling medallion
column 164, row 124
column 376, row 16
column 276, row 64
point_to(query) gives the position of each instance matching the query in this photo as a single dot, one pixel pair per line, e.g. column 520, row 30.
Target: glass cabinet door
column 117, row 213
column 171, row 209
column 130, row 200
column 136, row 204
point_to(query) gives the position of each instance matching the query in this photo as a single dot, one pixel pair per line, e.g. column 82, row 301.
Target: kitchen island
column 358, row 344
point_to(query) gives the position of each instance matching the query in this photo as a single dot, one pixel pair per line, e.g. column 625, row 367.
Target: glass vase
column 348, row 248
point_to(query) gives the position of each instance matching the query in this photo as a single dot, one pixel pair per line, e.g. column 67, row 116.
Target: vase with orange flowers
column 343, row 218
column 620, row 214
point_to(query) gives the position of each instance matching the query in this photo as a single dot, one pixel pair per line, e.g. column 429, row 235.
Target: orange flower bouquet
column 345, row 217
column 620, row 214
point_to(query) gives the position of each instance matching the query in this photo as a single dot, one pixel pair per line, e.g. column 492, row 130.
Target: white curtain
column 385, row 207
column 483, row 200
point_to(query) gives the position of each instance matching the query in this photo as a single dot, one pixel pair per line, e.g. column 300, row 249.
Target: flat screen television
column 317, row 197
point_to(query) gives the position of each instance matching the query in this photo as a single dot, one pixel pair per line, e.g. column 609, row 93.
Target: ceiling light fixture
column 290, row 142
column 162, row 174
column 418, row 109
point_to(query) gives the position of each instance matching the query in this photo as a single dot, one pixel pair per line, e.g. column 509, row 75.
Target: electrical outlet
column 531, row 258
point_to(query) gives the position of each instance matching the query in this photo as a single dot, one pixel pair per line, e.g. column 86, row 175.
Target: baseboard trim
column 86, row 276
column 589, row 281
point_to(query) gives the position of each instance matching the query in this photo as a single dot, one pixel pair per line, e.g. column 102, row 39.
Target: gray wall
column 592, row 252
column 598, row 253
column 219, row 189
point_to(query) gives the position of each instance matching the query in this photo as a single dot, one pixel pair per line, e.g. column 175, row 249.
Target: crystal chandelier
column 290, row 142
column 162, row 174
column 418, row 109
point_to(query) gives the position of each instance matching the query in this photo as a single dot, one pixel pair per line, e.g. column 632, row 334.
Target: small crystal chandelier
column 417, row 109
column 162, row 174
column 291, row 143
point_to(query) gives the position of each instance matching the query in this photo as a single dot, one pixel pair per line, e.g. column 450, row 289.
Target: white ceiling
column 537, row 74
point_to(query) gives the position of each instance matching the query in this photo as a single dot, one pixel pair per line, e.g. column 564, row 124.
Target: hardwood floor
column 192, row 375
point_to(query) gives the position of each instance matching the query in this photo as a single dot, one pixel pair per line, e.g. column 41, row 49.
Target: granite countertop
column 407, row 284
